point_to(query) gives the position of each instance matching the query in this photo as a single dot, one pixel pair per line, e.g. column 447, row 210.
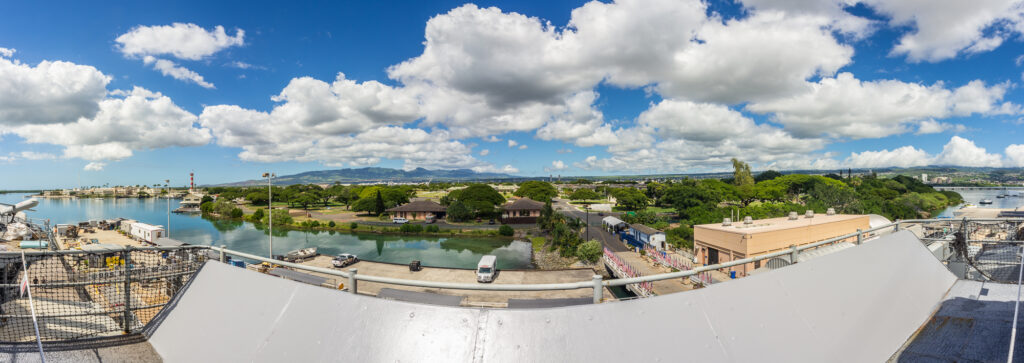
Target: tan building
column 721, row 242
column 418, row 209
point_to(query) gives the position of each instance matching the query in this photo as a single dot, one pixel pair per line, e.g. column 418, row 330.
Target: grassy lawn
column 433, row 195
column 538, row 243
column 660, row 210
column 582, row 202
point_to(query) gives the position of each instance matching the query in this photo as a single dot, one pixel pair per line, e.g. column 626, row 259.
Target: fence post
column 352, row 280
column 223, row 258
column 127, row 289
column 897, row 229
column 859, row 236
column 598, row 290
column 793, row 254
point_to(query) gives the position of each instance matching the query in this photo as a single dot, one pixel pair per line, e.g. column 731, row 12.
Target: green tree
column 741, row 173
column 767, row 175
column 257, row 197
column 378, row 206
column 258, row 215
column 237, row 213
column 630, row 198
column 584, row 194
column 536, row 190
column 281, row 217
column 458, row 212
column 206, row 198
column 589, row 251
column 480, row 199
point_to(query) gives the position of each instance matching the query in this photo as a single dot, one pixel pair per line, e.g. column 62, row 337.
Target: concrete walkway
column 473, row 297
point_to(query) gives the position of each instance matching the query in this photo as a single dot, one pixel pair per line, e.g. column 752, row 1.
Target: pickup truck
column 344, row 259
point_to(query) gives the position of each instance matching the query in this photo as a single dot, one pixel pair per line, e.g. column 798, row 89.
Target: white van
column 399, row 220
column 430, row 219
column 486, row 268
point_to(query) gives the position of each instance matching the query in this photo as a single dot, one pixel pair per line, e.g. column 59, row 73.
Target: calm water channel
column 456, row 252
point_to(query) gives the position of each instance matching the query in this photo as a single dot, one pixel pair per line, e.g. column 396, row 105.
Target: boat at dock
column 301, row 254
column 985, row 201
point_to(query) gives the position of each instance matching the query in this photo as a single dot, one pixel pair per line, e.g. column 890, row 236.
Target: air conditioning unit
column 809, row 214
column 793, row 216
column 831, row 211
column 748, row 220
column 727, row 222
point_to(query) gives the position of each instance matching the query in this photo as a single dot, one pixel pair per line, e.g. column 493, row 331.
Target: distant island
column 376, row 175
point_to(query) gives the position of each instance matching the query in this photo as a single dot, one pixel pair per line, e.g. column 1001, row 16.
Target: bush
column 411, row 228
column 314, row 224
column 589, row 251
column 258, row 215
column 506, row 230
column 353, row 225
column 237, row 213
column 433, row 229
column 331, row 224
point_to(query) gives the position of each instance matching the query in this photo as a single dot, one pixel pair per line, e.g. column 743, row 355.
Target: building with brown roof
column 723, row 242
column 418, row 209
column 521, row 211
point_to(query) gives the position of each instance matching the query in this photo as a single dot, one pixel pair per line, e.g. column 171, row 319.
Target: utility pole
column 270, row 209
column 168, row 196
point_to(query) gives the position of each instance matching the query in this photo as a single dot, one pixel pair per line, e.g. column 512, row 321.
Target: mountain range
column 376, row 175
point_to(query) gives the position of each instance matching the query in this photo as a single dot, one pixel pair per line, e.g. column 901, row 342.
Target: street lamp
column 586, row 208
column 270, row 209
column 168, row 196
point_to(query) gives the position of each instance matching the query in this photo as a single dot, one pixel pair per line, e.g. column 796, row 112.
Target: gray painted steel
column 972, row 325
column 298, row 276
column 857, row 305
column 547, row 303
column 420, row 297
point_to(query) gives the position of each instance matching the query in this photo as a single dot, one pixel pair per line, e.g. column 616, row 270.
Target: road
column 594, row 229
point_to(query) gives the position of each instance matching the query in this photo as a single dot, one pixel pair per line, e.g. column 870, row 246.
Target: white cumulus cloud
column 169, row 68
column 183, row 41
column 963, row 152
column 94, row 166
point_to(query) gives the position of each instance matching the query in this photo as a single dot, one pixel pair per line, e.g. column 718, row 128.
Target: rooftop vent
column 748, row 220
column 809, row 214
column 831, row 211
column 793, row 216
column 726, row 222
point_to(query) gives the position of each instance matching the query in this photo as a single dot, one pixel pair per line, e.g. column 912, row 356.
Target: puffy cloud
column 934, row 127
column 943, row 29
column 556, row 165
column 513, row 143
column 492, row 138
column 764, row 56
column 169, row 68
column 1015, row 155
column 962, row 152
column 7, row 52
column 141, row 120
column 845, row 106
column 484, row 152
column 50, row 92
column 522, row 147
column 831, row 9
column 94, row 166
column 183, row 41
column 906, row 156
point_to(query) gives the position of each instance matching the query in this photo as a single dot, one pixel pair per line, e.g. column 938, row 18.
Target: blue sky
column 136, row 92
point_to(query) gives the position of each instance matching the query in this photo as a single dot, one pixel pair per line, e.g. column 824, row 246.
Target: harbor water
column 455, row 252
column 1015, row 200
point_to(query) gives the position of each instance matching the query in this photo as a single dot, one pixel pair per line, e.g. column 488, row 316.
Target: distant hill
column 373, row 174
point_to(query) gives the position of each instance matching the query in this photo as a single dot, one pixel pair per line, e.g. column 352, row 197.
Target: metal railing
column 596, row 284
column 93, row 293
column 81, row 294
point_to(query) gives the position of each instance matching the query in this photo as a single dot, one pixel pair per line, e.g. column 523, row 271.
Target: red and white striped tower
column 191, row 181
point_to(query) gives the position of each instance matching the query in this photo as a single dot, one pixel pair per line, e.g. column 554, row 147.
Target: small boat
column 1001, row 196
column 985, row 201
column 299, row 255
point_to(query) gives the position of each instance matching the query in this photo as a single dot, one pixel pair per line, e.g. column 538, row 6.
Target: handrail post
column 223, row 257
column 352, row 280
column 127, row 289
column 859, row 237
column 793, row 254
column 897, row 228
column 598, row 290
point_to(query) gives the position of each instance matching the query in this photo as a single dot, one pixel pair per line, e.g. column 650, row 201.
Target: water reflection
column 459, row 252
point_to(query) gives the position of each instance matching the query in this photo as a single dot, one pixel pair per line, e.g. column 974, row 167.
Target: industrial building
column 723, row 242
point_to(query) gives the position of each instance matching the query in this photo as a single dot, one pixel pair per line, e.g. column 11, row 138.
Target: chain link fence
column 86, row 294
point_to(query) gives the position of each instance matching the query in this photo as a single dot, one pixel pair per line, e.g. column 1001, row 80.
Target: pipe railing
column 894, row 226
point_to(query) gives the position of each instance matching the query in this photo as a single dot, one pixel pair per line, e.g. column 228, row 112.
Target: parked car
column 490, row 222
column 399, row 220
column 344, row 259
column 600, row 214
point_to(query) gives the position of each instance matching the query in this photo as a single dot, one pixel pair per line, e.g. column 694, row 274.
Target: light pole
column 270, row 209
column 586, row 208
column 168, row 196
